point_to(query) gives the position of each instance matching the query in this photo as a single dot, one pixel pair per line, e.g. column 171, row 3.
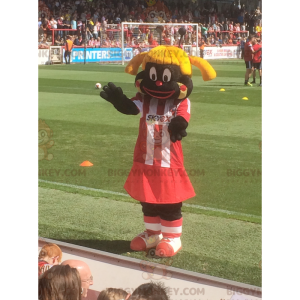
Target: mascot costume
column 158, row 178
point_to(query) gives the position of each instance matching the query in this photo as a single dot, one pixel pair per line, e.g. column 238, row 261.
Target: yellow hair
column 174, row 56
column 207, row 71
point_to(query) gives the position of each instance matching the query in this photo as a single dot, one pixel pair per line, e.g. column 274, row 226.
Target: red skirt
column 158, row 185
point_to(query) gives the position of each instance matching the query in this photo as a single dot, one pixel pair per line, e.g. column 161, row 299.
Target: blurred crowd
column 98, row 23
column 71, row 280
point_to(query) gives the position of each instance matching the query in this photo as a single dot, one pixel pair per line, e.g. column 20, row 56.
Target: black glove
column 115, row 96
column 177, row 128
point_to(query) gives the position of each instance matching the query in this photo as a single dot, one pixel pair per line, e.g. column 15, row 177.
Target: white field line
column 228, row 212
column 68, row 88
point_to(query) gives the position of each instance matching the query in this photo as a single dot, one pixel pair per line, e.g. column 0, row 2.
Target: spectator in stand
column 67, row 25
column 106, row 43
column 95, row 30
column 77, row 40
column 242, row 46
column 154, row 42
column 40, row 22
column 50, row 255
column 104, row 25
column 118, row 44
column 60, row 282
column 251, row 23
column 85, row 274
column 83, row 16
column 217, row 30
column 225, row 40
column 208, row 41
column 221, row 25
column 235, row 39
column 226, row 26
column 240, row 18
column 41, row 32
column 90, row 25
column 42, row 44
column 212, row 18
column 210, row 30
column 91, row 43
column 258, row 29
column 212, row 40
column 243, row 28
column 118, row 19
column 166, row 39
column 197, row 14
column 75, row 16
column 95, row 16
column 113, row 294
column 220, row 41
column 59, row 42
column 202, row 46
column 150, row 291
column 89, row 34
column 215, row 26
column 79, row 27
column 53, row 25
column 258, row 16
column 67, row 17
column 97, row 43
column 230, row 26
column 73, row 23
column 60, row 25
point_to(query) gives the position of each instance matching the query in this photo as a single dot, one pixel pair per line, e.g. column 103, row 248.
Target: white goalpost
column 142, row 37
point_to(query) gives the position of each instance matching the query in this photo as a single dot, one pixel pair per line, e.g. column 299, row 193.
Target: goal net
column 140, row 37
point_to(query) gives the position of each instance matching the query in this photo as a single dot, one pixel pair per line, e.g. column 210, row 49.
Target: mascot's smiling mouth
column 157, row 94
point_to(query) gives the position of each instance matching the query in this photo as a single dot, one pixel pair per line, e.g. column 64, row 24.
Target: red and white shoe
column 168, row 247
column 144, row 241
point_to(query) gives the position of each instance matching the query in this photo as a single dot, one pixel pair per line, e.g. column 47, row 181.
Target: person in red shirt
column 154, row 42
column 256, row 61
column 50, row 255
column 248, row 53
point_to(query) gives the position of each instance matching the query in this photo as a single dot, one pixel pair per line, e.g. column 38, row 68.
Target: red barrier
column 52, row 29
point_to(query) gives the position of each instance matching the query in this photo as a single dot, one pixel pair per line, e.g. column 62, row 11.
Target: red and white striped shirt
column 153, row 146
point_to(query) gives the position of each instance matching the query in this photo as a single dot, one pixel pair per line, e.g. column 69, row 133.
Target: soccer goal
column 140, row 37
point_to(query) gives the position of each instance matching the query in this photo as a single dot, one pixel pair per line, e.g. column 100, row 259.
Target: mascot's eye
column 152, row 74
column 166, row 75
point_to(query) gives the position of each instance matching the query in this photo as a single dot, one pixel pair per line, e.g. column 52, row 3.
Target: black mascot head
column 167, row 72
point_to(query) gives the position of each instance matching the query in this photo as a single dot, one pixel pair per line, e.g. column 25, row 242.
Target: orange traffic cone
column 86, row 163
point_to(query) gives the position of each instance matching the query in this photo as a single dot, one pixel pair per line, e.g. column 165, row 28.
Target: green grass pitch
column 222, row 152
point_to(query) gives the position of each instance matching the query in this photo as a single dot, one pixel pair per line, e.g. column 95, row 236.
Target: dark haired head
column 60, row 282
column 112, row 294
column 150, row 291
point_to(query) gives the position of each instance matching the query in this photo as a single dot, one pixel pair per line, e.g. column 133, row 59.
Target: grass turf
column 224, row 134
column 212, row 245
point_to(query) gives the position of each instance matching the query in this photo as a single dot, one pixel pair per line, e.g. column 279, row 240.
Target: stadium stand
column 222, row 23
